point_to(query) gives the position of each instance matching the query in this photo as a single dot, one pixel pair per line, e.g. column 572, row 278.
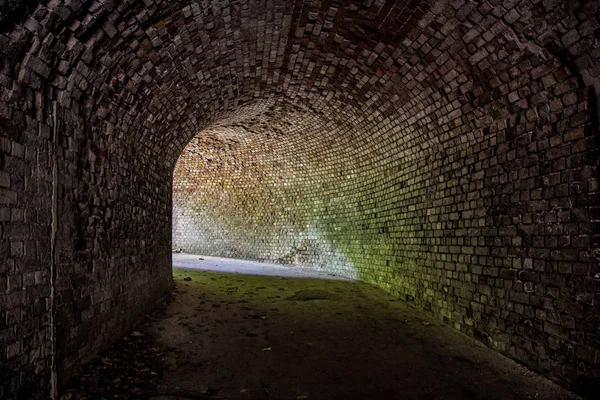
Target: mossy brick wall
column 443, row 150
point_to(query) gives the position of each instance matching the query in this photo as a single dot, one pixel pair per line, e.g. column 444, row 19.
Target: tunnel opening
column 445, row 151
column 253, row 188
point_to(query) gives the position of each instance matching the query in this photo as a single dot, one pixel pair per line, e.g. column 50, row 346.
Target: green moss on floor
column 261, row 288
column 254, row 337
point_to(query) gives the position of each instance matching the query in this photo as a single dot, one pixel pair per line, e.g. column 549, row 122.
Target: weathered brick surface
column 443, row 150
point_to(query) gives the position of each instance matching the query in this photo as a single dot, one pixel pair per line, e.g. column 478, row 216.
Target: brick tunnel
column 445, row 151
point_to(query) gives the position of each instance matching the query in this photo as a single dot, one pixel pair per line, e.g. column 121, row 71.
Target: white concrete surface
column 207, row 263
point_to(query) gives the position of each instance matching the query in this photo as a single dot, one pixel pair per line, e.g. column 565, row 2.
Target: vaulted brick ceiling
column 157, row 73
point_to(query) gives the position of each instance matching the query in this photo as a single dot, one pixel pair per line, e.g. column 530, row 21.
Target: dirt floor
column 227, row 335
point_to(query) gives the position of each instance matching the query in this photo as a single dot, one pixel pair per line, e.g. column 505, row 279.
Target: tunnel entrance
column 256, row 188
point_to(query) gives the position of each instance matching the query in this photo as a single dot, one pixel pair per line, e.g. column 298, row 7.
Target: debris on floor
column 130, row 369
column 331, row 339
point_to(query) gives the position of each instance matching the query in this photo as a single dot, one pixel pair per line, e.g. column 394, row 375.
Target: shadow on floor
column 234, row 336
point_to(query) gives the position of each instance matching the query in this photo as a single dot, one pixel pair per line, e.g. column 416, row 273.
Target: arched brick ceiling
column 157, row 73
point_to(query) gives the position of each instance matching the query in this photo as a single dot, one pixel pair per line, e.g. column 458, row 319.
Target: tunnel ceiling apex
column 159, row 72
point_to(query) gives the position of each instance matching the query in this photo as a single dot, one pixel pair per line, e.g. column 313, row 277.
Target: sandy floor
column 235, row 334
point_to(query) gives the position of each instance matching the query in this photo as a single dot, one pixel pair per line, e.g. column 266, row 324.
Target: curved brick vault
column 443, row 150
